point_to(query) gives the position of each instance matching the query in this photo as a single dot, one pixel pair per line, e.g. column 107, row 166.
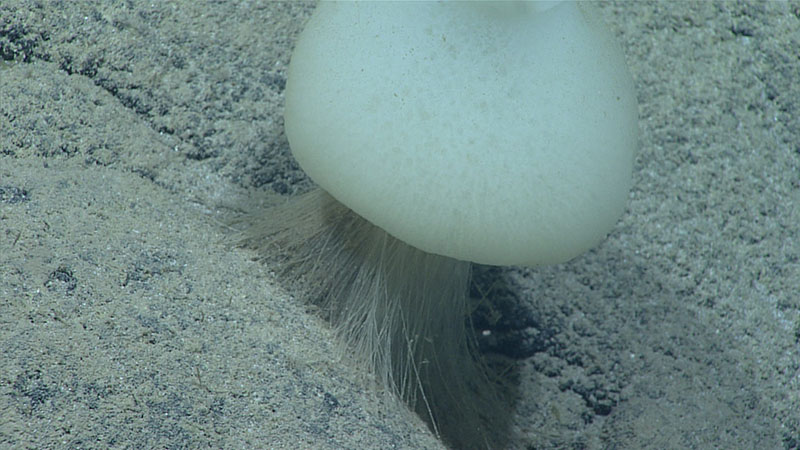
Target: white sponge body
column 490, row 132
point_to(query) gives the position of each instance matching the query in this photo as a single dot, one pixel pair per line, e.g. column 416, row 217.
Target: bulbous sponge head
column 465, row 131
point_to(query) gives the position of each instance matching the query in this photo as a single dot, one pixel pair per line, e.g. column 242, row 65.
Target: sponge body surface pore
column 492, row 133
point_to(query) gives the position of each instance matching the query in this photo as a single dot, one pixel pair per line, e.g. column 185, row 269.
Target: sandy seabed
column 128, row 321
